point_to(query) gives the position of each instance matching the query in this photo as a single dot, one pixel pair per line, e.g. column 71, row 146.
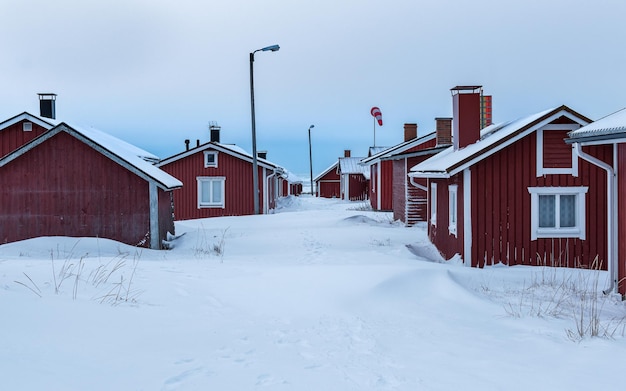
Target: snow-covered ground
column 322, row 295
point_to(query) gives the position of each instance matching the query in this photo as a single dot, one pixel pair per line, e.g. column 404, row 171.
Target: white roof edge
column 220, row 147
column 47, row 123
column 398, row 148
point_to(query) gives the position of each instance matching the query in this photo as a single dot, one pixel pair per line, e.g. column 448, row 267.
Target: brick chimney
column 47, row 107
column 443, row 131
column 466, row 113
column 346, row 153
column 410, row 131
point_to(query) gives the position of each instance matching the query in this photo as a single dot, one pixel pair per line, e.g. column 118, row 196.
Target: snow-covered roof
column 44, row 122
column 230, row 149
column 122, row 152
column 291, row 177
column 399, row 148
column 610, row 127
column 351, row 165
column 375, row 150
column 493, row 138
column 326, row 171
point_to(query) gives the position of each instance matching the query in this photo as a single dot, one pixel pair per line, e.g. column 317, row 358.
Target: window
column 452, row 208
column 210, row 159
column 433, row 204
column 211, row 192
column 557, row 212
column 27, row 127
column 554, row 156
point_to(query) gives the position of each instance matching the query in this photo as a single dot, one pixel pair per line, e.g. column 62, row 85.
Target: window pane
column 217, row 191
column 568, row 210
column 547, row 214
column 205, row 192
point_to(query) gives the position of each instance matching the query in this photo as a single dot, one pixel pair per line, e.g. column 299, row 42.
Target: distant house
column 57, row 179
column 515, row 192
column 328, row 182
column 410, row 195
column 354, row 178
column 290, row 184
column 218, row 180
column 595, row 143
column 389, row 191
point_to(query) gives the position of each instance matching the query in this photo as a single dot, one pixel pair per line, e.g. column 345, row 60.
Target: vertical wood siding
column 501, row 211
column 329, row 186
column 64, row 187
column 12, row 137
column 238, row 186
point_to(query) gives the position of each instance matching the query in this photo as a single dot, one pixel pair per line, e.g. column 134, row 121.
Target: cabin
column 410, row 195
column 592, row 143
column 328, row 182
column 290, row 184
column 218, row 180
column 515, row 193
column 58, row 179
column 354, row 178
column 383, row 179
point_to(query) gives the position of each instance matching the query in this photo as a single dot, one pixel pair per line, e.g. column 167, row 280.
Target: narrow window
column 452, row 209
column 433, row 204
column 27, row 127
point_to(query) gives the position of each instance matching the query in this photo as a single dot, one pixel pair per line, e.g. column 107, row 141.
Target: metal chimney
column 214, row 129
column 47, row 105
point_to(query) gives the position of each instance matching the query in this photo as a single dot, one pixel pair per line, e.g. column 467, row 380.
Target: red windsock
column 378, row 115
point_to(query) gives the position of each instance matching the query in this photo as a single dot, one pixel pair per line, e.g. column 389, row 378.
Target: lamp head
column 273, row 48
column 312, row 126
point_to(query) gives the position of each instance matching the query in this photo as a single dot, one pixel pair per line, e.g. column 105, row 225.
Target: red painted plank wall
column 501, row 211
column 13, row 137
column 238, row 186
column 439, row 234
column 64, row 187
column 329, row 186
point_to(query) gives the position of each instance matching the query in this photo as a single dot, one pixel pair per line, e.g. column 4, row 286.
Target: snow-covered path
column 321, row 295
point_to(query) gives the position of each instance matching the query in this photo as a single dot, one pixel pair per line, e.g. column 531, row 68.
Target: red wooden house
column 382, row 168
column 592, row 143
column 218, row 180
column 328, row 183
column 515, row 192
column 354, row 178
column 62, row 180
column 290, row 184
column 410, row 195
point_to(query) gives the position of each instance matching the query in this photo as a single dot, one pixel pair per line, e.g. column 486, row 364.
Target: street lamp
column 311, row 158
column 255, row 170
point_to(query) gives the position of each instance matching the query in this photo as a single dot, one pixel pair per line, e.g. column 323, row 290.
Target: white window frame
column 433, row 203
column 541, row 170
column 208, row 164
column 27, row 126
column 570, row 232
column 210, row 204
column 453, row 211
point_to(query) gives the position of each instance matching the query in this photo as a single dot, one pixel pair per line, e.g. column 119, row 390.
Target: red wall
column 329, row 186
column 238, row 186
column 357, row 188
column 501, row 211
column 64, row 187
column 12, row 137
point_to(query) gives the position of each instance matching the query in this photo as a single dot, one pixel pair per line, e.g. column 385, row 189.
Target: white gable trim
column 29, row 117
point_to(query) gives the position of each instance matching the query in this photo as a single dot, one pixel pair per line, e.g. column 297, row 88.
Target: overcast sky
column 156, row 72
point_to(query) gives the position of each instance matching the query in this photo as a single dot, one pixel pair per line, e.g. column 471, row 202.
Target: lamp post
column 255, row 170
column 311, row 158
